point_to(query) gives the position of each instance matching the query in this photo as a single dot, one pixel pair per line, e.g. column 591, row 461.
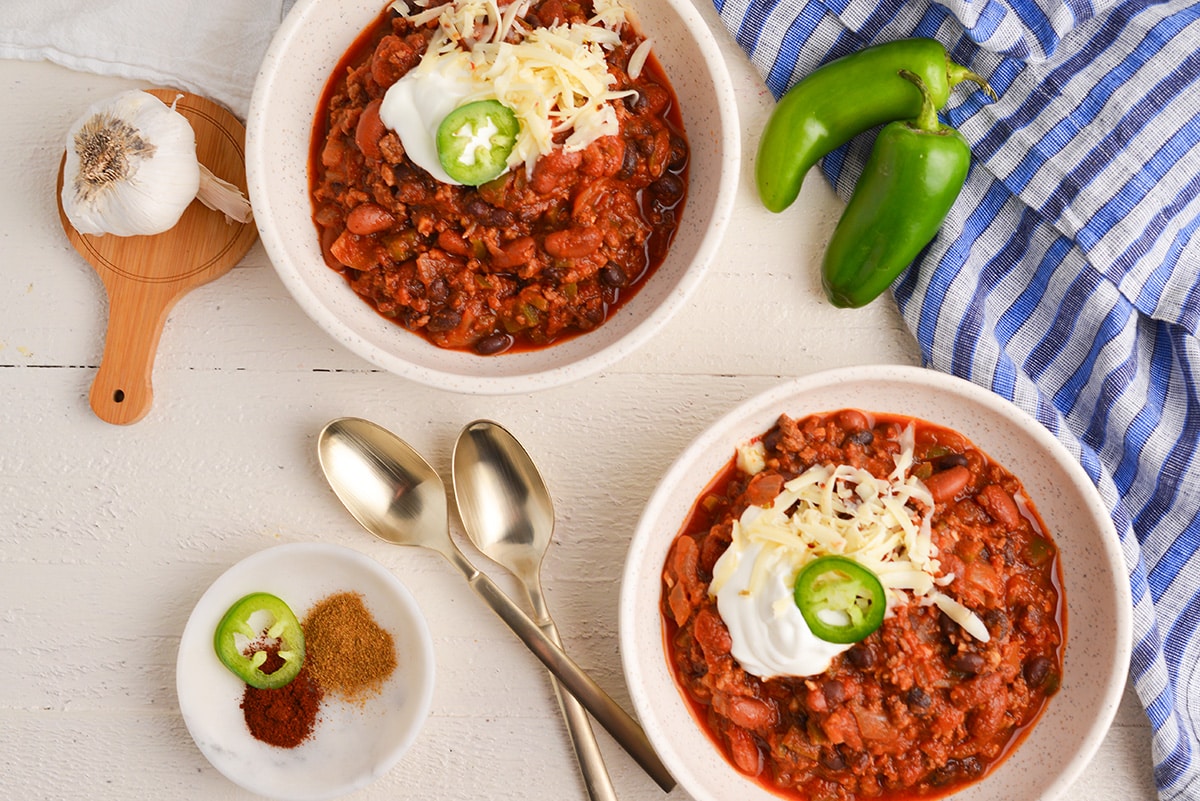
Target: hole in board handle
column 119, row 396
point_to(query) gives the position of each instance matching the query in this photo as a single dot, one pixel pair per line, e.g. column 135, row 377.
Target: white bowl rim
column 935, row 381
column 261, row 570
column 533, row 379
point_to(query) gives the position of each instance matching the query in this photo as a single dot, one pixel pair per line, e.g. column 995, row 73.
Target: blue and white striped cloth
column 1067, row 277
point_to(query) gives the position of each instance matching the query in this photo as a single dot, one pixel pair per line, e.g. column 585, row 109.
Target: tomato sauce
column 522, row 262
column 919, row 708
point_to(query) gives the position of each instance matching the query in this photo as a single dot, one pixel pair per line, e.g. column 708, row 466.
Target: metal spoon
column 394, row 494
column 508, row 514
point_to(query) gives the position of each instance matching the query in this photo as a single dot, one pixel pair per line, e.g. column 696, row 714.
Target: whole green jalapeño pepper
column 912, row 178
column 254, row 627
column 844, row 98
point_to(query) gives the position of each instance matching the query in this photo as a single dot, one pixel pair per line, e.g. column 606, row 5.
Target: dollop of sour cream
column 415, row 106
column 770, row 636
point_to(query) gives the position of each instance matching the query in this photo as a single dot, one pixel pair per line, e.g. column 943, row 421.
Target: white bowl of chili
column 1048, row 755
column 304, row 744
column 290, row 88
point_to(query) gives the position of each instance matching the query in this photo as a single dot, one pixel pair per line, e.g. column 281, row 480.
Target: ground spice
column 283, row 717
column 349, row 654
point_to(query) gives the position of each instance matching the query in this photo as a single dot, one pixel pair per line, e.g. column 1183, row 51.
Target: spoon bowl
column 387, row 486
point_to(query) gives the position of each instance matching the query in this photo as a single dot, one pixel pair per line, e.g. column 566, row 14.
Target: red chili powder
column 284, row 717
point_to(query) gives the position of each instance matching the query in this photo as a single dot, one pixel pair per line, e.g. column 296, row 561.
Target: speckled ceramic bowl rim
column 1099, row 610
column 311, row 39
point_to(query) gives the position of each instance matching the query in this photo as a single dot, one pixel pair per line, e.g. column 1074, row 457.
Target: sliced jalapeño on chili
column 475, row 140
column 257, row 627
column 841, row 601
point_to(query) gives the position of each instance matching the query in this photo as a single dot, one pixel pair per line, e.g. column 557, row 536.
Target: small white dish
column 1098, row 618
column 352, row 744
column 299, row 61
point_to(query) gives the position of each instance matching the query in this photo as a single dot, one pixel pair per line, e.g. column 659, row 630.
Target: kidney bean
column 514, row 254
column 370, row 130
column 452, row 241
column 944, row 486
column 1000, row 505
column 604, row 156
column 573, row 243
column 751, row 713
column 552, row 167
column 369, row 218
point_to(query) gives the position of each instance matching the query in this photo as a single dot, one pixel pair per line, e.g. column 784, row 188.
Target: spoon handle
column 583, row 739
column 624, row 729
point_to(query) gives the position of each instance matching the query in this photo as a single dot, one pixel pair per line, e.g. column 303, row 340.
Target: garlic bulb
column 131, row 169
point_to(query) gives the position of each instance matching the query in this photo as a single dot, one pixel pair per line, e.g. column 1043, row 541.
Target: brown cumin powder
column 349, row 654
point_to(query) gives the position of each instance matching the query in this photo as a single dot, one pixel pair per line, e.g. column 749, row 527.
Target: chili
column 526, row 260
column 841, row 601
column 914, row 174
column 842, row 99
column 919, row 708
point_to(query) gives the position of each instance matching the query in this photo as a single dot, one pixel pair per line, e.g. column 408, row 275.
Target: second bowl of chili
column 439, row 340
column 730, row 728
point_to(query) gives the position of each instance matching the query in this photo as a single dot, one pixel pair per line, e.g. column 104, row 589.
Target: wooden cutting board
column 144, row 276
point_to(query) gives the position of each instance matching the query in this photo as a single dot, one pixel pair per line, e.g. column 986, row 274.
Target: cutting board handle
column 122, row 391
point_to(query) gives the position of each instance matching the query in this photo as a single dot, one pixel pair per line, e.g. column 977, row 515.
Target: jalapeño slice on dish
column 475, row 140
column 841, row 601
column 254, row 628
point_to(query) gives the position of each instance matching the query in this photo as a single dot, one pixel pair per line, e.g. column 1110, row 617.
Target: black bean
column 863, row 436
column 967, row 662
column 834, row 692
column 679, row 153
column 861, row 656
column 832, row 759
column 1036, row 670
column 946, row 461
column 668, row 189
column 439, row 290
column 494, row 343
column 612, row 275
column 917, row 699
column 443, row 320
column 998, row 623
column 629, row 164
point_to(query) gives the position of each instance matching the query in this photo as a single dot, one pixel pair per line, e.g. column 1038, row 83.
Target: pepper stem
column 957, row 73
column 927, row 118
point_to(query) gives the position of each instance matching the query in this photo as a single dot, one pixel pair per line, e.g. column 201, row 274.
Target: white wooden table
column 109, row 535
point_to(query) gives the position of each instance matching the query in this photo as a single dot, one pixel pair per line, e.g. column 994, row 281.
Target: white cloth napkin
column 210, row 47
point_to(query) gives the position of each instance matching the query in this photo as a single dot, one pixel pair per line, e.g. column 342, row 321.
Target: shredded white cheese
column 555, row 79
column 884, row 524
